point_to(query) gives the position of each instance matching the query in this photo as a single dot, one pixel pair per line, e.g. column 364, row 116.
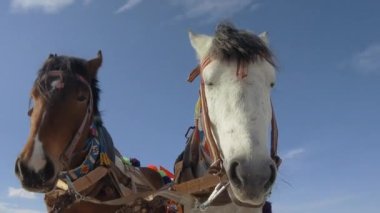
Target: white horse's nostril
column 234, row 174
column 272, row 177
column 251, row 179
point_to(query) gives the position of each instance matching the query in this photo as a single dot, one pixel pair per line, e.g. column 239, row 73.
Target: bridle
column 216, row 165
column 216, row 155
column 76, row 188
column 68, row 152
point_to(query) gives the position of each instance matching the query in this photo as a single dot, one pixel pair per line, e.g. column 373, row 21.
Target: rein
column 217, row 162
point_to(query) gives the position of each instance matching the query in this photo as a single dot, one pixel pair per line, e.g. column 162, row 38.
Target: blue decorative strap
column 96, row 154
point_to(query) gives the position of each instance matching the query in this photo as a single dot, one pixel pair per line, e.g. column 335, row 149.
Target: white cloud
column 255, row 6
column 8, row 208
column 293, row 153
column 87, row 2
column 211, row 10
column 47, row 6
column 368, row 60
column 214, row 9
column 128, row 5
column 20, row 193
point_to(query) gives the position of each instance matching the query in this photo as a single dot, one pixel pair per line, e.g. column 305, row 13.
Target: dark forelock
column 70, row 67
column 231, row 44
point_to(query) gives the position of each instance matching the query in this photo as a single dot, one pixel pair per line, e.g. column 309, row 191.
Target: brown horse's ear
column 51, row 56
column 94, row 64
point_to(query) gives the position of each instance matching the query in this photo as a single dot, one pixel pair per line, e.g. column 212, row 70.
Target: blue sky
column 327, row 94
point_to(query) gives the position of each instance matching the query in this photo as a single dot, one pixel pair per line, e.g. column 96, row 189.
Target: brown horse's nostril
column 17, row 168
column 34, row 180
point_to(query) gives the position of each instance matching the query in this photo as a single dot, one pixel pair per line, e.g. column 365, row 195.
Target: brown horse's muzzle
column 40, row 181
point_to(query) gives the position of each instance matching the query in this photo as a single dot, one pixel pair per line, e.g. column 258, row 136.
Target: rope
column 217, row 191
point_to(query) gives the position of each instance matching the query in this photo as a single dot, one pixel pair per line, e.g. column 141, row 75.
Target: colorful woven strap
column 96, row 154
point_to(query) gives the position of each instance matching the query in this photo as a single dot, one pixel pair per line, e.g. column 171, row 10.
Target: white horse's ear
column 264, row 37
column 200, row 43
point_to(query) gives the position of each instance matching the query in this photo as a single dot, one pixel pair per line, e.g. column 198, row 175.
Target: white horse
column 237, row 75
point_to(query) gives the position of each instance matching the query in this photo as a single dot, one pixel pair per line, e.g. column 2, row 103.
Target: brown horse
column 69, row 154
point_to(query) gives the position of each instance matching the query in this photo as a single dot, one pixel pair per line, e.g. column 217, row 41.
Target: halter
column 69, row 150
column 216, row 155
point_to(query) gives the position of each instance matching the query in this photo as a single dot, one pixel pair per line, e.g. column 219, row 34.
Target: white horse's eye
column 272, row 84
column 209, row 84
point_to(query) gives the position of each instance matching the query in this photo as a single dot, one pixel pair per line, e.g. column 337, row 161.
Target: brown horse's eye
column 30, row 111
column 81, row 95
column 31, row 107
column 81, row 98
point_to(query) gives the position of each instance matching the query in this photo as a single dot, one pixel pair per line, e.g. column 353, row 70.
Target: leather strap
column 193, row 75
column 198, row 184
column 274, row 139
column 210, row 139
column 85, row 181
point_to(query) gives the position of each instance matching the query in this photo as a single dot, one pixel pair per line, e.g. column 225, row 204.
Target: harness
column 96, row 148
column 124, row 182
column 201, row 148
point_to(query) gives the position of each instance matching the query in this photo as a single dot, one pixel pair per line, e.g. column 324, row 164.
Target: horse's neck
column 107, row 142
column 204, row 161
column 202, row 168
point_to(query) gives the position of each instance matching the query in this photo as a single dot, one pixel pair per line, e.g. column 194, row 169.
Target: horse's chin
column 44, row 188
column 248, row 201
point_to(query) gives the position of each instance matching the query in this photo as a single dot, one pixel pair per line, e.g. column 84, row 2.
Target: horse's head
column 238, row 74
column 64, row 98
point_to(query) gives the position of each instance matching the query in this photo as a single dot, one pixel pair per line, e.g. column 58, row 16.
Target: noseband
column 69, row 150
column 216, row 155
